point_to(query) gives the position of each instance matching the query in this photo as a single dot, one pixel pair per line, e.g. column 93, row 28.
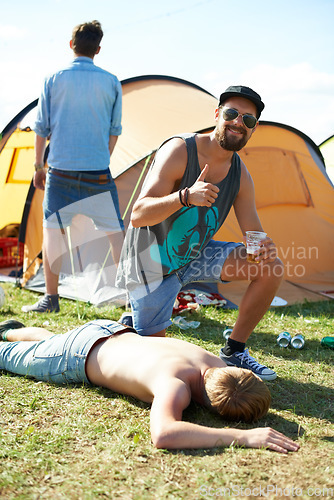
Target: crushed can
column 298, row 341
column 284, row 339
column 227, row 333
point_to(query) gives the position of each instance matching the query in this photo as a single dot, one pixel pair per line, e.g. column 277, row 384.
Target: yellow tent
column 16, row 168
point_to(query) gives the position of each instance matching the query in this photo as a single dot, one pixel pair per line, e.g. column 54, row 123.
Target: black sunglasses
column 230, row 114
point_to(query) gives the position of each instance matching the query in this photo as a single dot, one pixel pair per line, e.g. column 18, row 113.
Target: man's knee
column 265, row 271
column 279, row 268
column 274, row 270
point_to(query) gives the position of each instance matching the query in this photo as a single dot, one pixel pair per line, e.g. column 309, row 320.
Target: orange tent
column 327, row 151
column 295, row 203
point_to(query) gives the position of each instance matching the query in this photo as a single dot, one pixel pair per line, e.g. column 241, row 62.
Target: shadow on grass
column 107, row 393
column 312, row 352
column 314, row 309
column 211, row 331
column 199, row 415
column 308, row 400
column 314, row 355
column 284, row 399
column 330, row 439
column 213, row 321
column 303, row 399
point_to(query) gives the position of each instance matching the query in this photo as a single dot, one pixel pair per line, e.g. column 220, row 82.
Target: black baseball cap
column 242, row 91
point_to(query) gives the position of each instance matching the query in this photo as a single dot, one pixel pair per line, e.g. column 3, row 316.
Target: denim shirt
column 79, row 108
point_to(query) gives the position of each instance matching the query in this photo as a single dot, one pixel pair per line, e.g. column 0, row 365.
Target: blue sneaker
column 245, row 360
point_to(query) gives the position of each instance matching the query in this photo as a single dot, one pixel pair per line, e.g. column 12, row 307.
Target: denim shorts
column 61, row 359
column 152, row 309
column 64, row 198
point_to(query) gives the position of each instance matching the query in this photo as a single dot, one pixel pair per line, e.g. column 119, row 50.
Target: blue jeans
column 66, row 197
column 152, row 305
column 61, row 359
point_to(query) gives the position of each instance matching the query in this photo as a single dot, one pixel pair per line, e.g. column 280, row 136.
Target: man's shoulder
column 174, row 148
column 103, row 71
column 177, row 142
column 76, row 65
column 52, row 76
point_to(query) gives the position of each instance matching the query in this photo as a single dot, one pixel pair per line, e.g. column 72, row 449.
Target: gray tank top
column 151, row 252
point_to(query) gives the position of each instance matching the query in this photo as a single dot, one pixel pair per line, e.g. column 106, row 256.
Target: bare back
column 139, row 366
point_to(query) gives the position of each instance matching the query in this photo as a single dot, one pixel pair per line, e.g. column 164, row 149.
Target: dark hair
column 236, row 394
column 86, row 38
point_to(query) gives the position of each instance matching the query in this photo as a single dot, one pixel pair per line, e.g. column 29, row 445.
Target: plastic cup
column 253, row 243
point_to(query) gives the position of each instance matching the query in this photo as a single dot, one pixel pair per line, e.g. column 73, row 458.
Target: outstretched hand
column 201, row 193
column 266, row 437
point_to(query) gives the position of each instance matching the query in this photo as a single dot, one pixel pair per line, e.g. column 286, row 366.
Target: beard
column 230, row 142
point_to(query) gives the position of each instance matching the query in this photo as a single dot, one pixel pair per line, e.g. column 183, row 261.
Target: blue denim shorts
column 64, row 198
column 152, row 309
column 61, row 359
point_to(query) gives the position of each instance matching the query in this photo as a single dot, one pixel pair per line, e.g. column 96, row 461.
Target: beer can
column 284, row 338
column 328, row 342
column 298, row 341
column 227, row 333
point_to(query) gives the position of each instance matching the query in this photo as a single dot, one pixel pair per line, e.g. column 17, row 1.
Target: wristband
column 38, row 166
column 180, row 197
column 186, row 198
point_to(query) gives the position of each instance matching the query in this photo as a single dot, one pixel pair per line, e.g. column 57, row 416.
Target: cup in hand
column 253, row 243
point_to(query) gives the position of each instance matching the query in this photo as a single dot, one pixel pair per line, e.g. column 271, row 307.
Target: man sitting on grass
column 166, row 372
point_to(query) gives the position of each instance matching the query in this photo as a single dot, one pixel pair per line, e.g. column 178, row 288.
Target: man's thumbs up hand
column 201, row 193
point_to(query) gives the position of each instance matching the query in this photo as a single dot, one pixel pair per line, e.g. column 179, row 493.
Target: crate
column 11, row 254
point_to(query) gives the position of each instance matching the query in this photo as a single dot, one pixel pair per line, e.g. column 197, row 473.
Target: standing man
column 80, row 109
column 192, row 185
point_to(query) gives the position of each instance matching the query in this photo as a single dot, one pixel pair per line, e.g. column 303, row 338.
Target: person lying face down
column 166, row 372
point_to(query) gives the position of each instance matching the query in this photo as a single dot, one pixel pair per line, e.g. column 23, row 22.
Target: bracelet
column 186, row 198
column 180, row 197
column 38, row 166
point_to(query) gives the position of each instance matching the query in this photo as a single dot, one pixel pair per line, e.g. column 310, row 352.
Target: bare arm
column 168, row 430
column 247, row 216
column 112, row 143
column 40, row 175
column 244, row 204
column 160, row 197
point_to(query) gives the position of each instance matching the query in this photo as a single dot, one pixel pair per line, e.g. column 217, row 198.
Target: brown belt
column 101, row 179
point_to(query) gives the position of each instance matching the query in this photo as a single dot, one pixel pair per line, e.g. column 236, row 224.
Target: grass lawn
column 85, row 443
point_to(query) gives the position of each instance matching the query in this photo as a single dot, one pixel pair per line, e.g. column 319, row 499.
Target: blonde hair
column 236, row 394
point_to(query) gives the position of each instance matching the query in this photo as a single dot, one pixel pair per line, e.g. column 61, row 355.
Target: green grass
column 86, row 443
